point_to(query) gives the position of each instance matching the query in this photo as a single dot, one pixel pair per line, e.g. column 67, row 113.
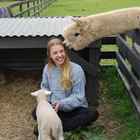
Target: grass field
column 17, row 9
column 5, row 3
column 86, row 7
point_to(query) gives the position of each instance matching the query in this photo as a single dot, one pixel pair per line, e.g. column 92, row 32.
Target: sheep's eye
column 76, row 34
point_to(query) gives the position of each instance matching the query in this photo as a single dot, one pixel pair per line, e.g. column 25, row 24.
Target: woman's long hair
column 66, row 67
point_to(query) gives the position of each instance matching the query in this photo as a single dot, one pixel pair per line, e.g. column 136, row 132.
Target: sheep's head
column 75, row 35
column 41, row 94
column 36, row 93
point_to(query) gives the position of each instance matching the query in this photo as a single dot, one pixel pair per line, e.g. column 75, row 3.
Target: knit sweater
column 69, row 99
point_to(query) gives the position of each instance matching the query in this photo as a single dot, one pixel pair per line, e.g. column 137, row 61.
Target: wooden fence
column 129, row 66
column 33, row 7
column 8, row 0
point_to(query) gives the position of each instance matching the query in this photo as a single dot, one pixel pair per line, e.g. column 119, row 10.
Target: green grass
column 122, row 106
column 86, row 7
column 6, row 3
column 24, row 7
column 16, row 9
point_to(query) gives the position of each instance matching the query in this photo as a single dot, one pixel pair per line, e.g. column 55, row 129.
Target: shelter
column 23, row 44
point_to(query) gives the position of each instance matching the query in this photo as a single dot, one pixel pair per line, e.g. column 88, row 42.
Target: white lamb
column 49, row 124
column 86, row 30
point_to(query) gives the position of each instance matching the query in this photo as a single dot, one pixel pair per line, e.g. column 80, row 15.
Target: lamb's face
column 75, row 35
column 41, row 94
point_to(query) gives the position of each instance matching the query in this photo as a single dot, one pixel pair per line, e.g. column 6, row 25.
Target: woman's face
column 57, row 53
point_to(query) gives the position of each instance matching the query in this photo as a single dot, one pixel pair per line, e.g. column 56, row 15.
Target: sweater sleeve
column 45, row 82
column 77, row 96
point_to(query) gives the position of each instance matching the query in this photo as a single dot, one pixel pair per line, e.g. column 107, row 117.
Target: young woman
column 67, row 82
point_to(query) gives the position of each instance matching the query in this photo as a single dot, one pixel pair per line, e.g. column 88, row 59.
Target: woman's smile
column 57, row 54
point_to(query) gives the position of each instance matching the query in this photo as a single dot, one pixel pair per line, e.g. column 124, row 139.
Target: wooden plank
column 134, row 35
column 27, row 10
column 83, row 63
column 23, row 53
column 108, row 55
column 133, row 81
column 20, row 3
column 128, row 53
column 30, row 8
column 109, row 40
column 93, row 82
column 22, row 65
column 24, row 42
column 28, row 58
column 21, row 60
column 131, row 95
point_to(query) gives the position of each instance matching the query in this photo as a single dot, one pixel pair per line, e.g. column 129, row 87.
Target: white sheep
column 86, row 30
column 49, row 124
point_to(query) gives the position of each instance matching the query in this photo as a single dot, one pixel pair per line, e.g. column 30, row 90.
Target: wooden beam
column 128, row 53
column 132, row 79
column 83, row 63
column 131, row 95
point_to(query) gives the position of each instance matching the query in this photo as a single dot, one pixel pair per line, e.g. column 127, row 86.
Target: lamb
column 88, row 29
column 49, row 124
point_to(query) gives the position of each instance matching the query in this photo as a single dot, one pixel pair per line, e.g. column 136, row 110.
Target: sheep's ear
column 78, row 21
column 48, row 92
column 34, row 93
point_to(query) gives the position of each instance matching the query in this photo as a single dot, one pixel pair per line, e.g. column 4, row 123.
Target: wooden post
column 93, row 82
column 38, row 6
column 90, row 65
column 34, row 5
column 20, row 9
column 28, row 5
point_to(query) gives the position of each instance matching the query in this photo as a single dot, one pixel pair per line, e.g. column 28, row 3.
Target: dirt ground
column 16, row 105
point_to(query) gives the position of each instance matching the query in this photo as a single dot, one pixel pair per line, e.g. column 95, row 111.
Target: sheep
column 49, row 124
column 88, row 29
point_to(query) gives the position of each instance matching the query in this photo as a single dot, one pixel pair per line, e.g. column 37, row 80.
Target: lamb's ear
column 34, row 93
column 78, row 21
column 48, row 92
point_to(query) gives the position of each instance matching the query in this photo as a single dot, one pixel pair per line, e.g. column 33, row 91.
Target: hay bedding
column 16, row 105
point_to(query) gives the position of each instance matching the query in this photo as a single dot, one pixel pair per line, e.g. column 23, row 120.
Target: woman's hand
column 57, row 103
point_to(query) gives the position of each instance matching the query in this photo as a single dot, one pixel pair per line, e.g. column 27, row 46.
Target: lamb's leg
column 61, row 138
column 46, row 135
column 58, row 133
column 39, row 137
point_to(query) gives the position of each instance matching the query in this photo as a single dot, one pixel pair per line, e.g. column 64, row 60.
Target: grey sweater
column 69, row 99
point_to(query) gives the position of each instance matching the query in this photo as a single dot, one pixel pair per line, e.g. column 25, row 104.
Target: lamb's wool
column 86, row 30
column 49, row 124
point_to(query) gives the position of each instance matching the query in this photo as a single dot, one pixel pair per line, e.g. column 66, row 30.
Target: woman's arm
column 77, row 96
column 45, row 82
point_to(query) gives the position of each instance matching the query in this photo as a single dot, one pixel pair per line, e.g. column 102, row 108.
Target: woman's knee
column 34, row 114
column 93, row 114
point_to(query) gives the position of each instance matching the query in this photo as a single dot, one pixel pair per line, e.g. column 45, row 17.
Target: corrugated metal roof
column 33, row 26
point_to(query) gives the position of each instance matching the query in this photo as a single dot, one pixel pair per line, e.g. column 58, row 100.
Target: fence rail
column 34, row 7
column 129, row 66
